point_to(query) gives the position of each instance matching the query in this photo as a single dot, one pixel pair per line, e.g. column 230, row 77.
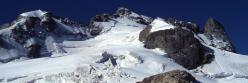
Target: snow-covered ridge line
column 36, row 13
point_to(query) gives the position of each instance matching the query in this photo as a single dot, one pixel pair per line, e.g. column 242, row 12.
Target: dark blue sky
column 233, row 14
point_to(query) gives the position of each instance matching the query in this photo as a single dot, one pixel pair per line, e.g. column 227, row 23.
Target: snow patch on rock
column 159, row 24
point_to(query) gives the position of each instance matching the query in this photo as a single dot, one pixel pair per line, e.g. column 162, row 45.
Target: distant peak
column 123, row 11
column 36, row 13
column 215, row 31
column 214, row 23
column 122, row 8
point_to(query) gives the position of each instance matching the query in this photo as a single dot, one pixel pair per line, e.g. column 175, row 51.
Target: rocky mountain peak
column 122, row 11
column 213, row 25
column 215, row 32
column 36, row 34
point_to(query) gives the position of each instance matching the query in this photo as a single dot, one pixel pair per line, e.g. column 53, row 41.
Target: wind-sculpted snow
column 114, row 55
column 36, row 13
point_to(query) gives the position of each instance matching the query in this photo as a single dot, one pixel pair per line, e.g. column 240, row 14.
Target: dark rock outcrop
column 123, row 11
column 144, row 33
column 106, row 57
column 20, row 35
column 34, row 51
column 33, row 33
column 101, row 18
column 215, row 32
column 48, row 23
column 180, row 44
column 175, row 76
column 189, row 25
column 95, row 29
column 31, row 21
column 23, row 34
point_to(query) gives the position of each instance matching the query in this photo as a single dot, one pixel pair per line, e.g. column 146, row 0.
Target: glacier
column 125, row 60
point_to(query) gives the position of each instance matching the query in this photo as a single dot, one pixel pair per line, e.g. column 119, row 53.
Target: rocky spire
column 215, row 32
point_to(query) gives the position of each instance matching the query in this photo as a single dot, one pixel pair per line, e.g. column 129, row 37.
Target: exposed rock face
column 131, row 15
column 35, row 34
column 189, row 25
column 123, row 11
column 175, row 76
column 101, row 18
column 106, row 57
column 47, row 22
column 25, row 35
column 216, row 34
column 31, row 21
column 21, row 35
column 34, row 51
column 180, row 44
column 144, row 33
column 94, row 29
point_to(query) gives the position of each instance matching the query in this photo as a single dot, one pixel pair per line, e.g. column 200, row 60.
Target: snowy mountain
column 38, row 34
column 123, row 47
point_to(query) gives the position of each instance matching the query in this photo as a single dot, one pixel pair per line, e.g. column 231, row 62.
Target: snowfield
column 117, row 56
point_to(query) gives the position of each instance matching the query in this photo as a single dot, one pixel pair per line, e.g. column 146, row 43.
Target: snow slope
column 117, row 56
column 36, row 13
